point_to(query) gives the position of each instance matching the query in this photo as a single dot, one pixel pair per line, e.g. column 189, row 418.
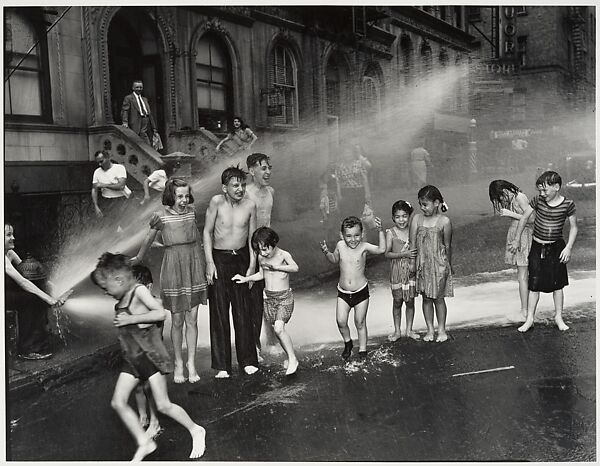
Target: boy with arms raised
column 549, row 254
column 230, row 222
column 353, row 287
column 275, row 266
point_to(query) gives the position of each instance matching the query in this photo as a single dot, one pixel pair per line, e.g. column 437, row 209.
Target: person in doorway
column 241, row 134
column 260, row 191
column 136, row 114
column 275, row 265
column 109, row 178
column 29, row 301
column 420, row 160
column 230, row 222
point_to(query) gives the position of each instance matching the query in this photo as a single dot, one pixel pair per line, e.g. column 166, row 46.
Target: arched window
column 406, row 52
column 283, row 80
column 213, row 83
column 370, row 93
column 26, row 92
column 333, row 88
column 426, row 56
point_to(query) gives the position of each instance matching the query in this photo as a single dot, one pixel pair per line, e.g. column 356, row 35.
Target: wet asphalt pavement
column 404, row 403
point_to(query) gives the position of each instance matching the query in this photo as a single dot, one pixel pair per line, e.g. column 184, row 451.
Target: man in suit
column 136, row 113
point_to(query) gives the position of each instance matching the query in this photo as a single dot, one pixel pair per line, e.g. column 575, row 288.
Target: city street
column 407, row 402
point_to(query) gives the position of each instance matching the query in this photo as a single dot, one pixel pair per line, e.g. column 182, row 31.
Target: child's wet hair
column 142, row 274
column 497, row 193
column 110, row 263
column 264, row 236
column 233, row 173
column 403, row 206
column 351, row 222
column 549, row 177
column 431, row 193
column 168, row 197
column 256, row 158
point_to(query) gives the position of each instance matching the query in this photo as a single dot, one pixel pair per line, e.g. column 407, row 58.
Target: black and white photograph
column 299, row 232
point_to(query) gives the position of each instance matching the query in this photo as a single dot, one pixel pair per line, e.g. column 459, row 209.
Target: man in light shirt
column 136, row 114
column 109, row 178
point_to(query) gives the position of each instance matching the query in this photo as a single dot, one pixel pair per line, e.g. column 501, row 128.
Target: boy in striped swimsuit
column 549, row 254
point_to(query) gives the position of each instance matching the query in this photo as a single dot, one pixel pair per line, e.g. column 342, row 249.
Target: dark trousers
column 144, row 130
column 221, row 294
column 32, row 318
column 256, row 309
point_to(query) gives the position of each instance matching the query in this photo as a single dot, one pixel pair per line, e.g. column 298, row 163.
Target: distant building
column 304, row 78
column 533, row 79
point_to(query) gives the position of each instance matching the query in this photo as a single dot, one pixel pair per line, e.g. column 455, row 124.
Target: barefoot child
column 509, row 201
column 182, row 282
column 549, row 254
column 431, row 235
column 230, row 222
column 402, row 274
column 145, row 356
column 353, row 287
column 275, row 267
column 143, row 394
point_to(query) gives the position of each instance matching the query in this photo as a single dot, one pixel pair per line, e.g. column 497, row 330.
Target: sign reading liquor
column 508, row 31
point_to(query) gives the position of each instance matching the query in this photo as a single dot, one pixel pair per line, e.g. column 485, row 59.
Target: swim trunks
column 354, row 298
column 278, row 305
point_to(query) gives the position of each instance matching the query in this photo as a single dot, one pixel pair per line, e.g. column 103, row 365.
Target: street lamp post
column 472, row 148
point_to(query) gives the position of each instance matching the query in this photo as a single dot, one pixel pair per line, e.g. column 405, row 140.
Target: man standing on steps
column 261, row 192
column 136, row 114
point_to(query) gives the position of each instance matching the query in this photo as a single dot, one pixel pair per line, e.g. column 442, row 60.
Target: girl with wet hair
column 431, row 235
column 508, row 201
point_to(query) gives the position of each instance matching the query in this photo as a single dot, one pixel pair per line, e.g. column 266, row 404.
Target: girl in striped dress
column 182, row 274
column 402, row 275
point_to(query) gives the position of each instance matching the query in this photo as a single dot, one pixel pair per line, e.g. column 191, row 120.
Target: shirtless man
column 353, row 287
column 261, row 192
column 230, row 222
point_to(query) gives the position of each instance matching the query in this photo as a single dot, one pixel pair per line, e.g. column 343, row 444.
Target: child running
column 145, row 356
column 143, row 394
column 431, row 235
column 509, row 201
column 275, row 267
column 182, row 274
column 353, row 287
column 402, row 273
column 549, row 254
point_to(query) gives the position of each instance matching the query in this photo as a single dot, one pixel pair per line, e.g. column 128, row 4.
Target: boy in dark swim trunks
column 144, row 352
column 353, row 288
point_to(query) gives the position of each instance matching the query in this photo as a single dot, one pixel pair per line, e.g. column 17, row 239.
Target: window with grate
column 370, row 95
column 213, row 83
column 282, row 101
column 26, row 92
column 426, row 56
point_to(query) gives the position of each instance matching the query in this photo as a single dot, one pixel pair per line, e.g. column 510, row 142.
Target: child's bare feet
column 193, row 376
column 144, row 450
column 292, row 366
column 347, row 349
column 394, row 336
column 526, row 326
column 250, row 369
column 561, row 324
column 442, row 337
column 198, row 441
column 429, row 336
column 178, row 376
column 222, row 375
column 524, row 313
column 414, row 335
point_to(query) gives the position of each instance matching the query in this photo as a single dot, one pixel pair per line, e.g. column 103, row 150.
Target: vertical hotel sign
column 508, row 33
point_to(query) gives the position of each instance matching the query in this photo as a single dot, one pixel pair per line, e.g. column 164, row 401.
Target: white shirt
column 157, row 180
column 141, row 104
column 111, row 176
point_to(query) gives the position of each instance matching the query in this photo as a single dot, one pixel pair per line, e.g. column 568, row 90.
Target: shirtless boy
column 275, row 267
column 230, row 222
column 261, row 192
column 353, row 287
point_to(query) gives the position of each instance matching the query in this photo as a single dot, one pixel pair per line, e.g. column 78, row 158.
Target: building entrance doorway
column 134, row 53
